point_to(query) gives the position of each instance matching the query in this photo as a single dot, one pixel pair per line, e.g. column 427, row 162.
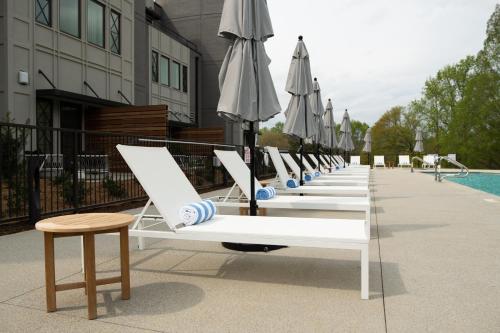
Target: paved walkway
column 434, row 246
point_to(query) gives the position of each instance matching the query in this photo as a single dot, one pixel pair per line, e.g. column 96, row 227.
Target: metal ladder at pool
column 464, row 171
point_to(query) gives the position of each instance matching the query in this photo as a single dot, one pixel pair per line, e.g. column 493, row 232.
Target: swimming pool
column 487, row 182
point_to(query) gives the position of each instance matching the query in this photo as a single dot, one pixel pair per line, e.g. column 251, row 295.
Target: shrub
column 114, row 188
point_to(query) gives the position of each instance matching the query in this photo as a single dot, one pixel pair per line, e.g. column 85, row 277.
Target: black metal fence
column 48, row 171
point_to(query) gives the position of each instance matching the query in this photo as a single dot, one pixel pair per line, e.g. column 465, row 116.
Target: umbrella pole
column 344, row 157
column 301, row 157
column 251, row 143
column 317, row 156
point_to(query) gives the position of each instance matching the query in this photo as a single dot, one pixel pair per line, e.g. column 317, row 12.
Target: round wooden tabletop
column 84, row 222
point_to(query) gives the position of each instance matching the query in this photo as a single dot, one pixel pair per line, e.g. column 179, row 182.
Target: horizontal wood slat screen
column 149, row 120
column 210, row 135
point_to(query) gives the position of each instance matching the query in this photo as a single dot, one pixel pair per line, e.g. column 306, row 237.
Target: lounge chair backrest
column 379, row 159
column 162, row 179
column 333, row 161
column 315, row 160
column 429, row 159
column 308, row 166
column 404, row 159
column 279, row 165
column 292, row 164
column 355, row 160
column 238, row 169
column 339, row 159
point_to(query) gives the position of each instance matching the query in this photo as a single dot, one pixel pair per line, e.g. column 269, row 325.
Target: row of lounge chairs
column 403, row 161
column 336, row 188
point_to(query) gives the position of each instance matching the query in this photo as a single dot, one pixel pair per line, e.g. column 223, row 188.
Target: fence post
column 75, row 172
column 33, row 174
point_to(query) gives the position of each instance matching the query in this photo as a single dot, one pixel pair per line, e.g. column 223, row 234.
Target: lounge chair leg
column 365, row 267
column 140, row 240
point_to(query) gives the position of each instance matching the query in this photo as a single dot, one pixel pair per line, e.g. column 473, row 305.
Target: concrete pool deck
column 434, row 266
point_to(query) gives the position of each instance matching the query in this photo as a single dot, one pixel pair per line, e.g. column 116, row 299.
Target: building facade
column 63, row 60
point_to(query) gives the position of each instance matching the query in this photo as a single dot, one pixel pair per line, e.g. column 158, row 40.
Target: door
column 71, row 119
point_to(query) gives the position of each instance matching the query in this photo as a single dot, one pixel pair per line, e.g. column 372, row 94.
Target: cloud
column 371, row 55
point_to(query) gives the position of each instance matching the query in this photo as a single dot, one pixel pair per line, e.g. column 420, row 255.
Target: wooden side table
column 86, row 225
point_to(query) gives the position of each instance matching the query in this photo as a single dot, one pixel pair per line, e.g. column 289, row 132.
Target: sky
column 370, row 55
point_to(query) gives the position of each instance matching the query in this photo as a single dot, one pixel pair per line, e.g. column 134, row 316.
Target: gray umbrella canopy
column 318, row 111
column 247, row 91
column 368, row 141
column 330, row 126
column 299, row 117
column 346, row 143
column 419, row 145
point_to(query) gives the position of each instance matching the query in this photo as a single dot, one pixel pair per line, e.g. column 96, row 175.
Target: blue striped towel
column 197, row 212
column 265, row 193
column 292, row 183
column 308, row 178
column 317, row 174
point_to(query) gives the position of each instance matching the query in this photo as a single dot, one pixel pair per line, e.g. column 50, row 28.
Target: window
column 115, row 32
column 176, row 75
column 184, row 79
column 164, row 70
column 43, row 12
column 69, row 17
column 44, row 119
column 154, row 66
column 95, row 23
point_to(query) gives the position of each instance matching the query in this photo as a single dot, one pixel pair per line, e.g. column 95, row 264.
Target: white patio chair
column 404, row 161
column 169, row 190
column 355, row 160
column 378, row 160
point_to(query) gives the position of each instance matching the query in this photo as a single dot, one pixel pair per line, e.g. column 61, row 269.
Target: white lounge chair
column 429, row 161
column 355, row 160
column 337, row 167
column 321, row 181
column 283, row 176
column 378, row 160
column 241, row 175
column 169, row 190
column 296, row 169
column 404, row 161
column 335, row 174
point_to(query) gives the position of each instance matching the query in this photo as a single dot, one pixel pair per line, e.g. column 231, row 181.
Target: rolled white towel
column 265, row 193
column 292, row 183
column 197, row 212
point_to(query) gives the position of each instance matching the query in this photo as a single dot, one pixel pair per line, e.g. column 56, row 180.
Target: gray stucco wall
column 66, row 60
column 198, row 21
column 3, row 60
column 141, row 76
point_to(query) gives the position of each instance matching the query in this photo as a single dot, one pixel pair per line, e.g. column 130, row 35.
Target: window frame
column 79, row 36
column 114, row 12
column 168, row 70
column 155, row 78
column 178, row 76
column 103, row 7
column 49, row 23
column 185, row 82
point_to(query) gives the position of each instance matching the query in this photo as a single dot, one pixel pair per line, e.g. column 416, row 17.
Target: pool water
column 487, row 182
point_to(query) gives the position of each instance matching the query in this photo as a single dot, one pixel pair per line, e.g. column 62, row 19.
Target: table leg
column 50, row 272
column 89, row 245
column 125, row 263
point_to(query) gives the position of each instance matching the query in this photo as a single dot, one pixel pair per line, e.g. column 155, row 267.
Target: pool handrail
column 439, row 177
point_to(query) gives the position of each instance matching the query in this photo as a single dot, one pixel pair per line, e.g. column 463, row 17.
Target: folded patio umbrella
column 419, row 145
column 299, row 117
column 318, row 111
column 346, row 143
column 368, row 143
column 330, row 128
column 247, row 92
